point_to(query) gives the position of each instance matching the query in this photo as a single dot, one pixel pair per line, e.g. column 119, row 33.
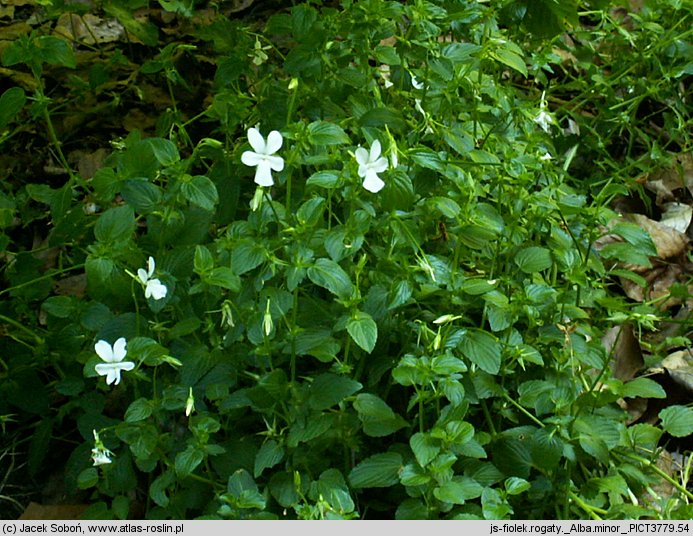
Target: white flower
column 190, row 403
column 415, row 83
column 262, row 156
column 100, row 454
column 546, row 156
column 370, row 165
column 153, row 287
column 113, row 357
column 543, row 118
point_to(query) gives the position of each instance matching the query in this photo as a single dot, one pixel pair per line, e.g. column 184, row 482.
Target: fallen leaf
column 622, row 344
column 679, row 365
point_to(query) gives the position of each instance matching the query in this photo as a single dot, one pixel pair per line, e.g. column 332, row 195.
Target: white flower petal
column 104, row 351
column 274, row 142
column 361, row 156
column 372, row 182
column 375, row 151
column 249, row 158
column 379, row 165
column 151, row 265
column 275, row 162
column 257, row 142
column 263, row 174
column 142, row 275
column 119, row 349
column 155, row 289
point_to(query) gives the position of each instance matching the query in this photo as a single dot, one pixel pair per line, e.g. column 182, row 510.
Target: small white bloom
column 543, row 118
column 546, row 156
column 153, row 288
column 370, row 165
column 415, row 83
column 113, row 357
column 190, row 403
column 100, row 455
column 262, row 156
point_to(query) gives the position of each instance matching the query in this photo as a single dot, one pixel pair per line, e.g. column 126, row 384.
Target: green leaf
column 200, row 191
column 643, row 388
column 246, row 256
column 40, row 445
column 139, row 410
column 637, row 236
column 88, row 478
column 333, row 488
column 363, row 330
column 157, row 491
column 188, row 460
column 459, row 490
column 324, row 133
column 379, row 117
column 328, row 274
column 223, row 277
column 677, row 420
column 269, row 455
column 203, row 261
column 510, row 58
column 324, row 179
column 516, row 485
column 533, row 259
column 11, row 103
column 115, row 225
column 329, row 389
column 428, row 159
column 55, row 51
column 424, row 447
column 377, row 417
column 142, row 195
column 483, row 349
column 377, row 471
column 164, row 150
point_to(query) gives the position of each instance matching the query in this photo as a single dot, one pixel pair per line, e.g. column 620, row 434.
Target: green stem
column 524, row 411
column 23, row 329
column 591, row 510
column 47, row 276
column 659, row 473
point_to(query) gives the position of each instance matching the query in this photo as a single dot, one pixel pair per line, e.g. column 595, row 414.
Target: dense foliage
column 404, row 320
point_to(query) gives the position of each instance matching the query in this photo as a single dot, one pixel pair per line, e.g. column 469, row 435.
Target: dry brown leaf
column 89, row 29
column 37, row 511
column 669, row 242
column 665, row 182
column 677, row 216
column 621, row 343
column 679, row 365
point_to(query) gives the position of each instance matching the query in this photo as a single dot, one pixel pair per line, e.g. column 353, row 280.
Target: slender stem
column 591, row 510
column 20, row 327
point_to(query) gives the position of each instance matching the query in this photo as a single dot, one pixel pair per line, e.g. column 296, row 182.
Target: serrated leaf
column 644, row 388
column 424, row 447
column 324, row 179
column 269, row 455
column 329, row 389
column 157, row 491
column 142, row 195
column 328, row 274
column 11, row 103
column 223, row 277
column 377, row 471
column 483, row 349
column 511, row 59
column 533, row 259
column 459, row 490
column 115, row 225
column 139, row 410
column 200, row 191
column 377, row 417
column 677, row 420
column 325, row 133
column 188, row 460
column 363, row 330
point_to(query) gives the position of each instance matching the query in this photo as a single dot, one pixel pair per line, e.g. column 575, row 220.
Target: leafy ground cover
column 375, row 259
